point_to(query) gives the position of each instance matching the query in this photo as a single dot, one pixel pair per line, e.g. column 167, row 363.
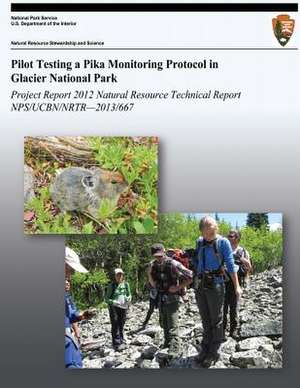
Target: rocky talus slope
column 259, row 344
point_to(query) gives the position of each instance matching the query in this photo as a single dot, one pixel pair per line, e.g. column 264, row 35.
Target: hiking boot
column 164, row 363
column 225, row 338
column 234, row 334
column 201, row 356
column 210, row 360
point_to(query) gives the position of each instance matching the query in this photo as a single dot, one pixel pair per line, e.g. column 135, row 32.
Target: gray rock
column 277, row 344
column 162, row 354
column 135, row 355
column 151, row 331
column 267, row 350
column 148, row 352
column 262, row 328
column 29, row 182
column 141, row 340
column 245, row 316
column 125, row 365
column 92, row 364
column 276, row 282
column 225, row 358
column 96, row 354
column 276, row 360
column 218, row 365
column 148, row 364
column 253, row 343
column 193, row 309
column 229, row 346
column 99, row 334
column 90, row 346
column 191, row 351
column 186, row 332
column 249, row 358
column 111, row 363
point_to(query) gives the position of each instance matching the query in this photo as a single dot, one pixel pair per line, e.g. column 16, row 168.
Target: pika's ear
column 88, row 181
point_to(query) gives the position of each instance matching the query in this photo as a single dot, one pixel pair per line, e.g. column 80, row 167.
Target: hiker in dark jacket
column 152, row 304
column 169, row 277
column 231, row 302
column 118, row 298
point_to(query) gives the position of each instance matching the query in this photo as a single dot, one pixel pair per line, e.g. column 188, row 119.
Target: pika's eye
column 88, row 181
column 114, row 182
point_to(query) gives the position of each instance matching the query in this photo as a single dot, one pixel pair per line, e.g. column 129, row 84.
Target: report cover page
column 157, row 147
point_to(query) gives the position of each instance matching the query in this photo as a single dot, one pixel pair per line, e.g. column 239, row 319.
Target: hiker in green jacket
column 118, row 298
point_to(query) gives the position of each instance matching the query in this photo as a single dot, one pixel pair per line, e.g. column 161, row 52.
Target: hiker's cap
column 119, row 270
column 157, row 250
column 72, row 259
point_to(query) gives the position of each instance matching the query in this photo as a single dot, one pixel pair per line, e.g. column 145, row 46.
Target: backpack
column 181, row 257
column 164, row 274
column 242, row 271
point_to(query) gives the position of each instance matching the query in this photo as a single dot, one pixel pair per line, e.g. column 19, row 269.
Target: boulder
column 253, row 343
column 249, row 358
column 141, row 340
column 111, row 362
column 261, row 328
column 148, row 352
column 151, row 331
column 148, row 364
column 126, row 365
column 218, row 365
column 229, row 346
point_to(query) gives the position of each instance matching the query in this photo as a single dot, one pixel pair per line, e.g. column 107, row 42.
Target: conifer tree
column 257, row 220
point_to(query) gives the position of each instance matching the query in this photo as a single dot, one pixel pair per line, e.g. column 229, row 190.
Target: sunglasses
column 231, row 236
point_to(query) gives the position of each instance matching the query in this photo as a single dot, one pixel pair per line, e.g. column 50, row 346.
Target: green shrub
column 133, row 253
column 265, row 247
column 89, row 289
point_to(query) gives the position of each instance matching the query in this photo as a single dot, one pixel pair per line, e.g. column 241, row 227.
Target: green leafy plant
column 106, row 209
column 44, row 221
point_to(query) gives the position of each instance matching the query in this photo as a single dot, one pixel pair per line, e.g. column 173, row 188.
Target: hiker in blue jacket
column 213, row 254
column 73, row 357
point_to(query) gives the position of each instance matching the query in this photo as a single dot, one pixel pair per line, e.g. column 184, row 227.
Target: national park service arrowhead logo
column 283, row 27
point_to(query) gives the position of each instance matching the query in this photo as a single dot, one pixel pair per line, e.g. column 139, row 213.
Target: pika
column 82, row 190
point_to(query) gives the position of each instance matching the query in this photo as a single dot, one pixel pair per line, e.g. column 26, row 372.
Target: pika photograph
column 90, row 185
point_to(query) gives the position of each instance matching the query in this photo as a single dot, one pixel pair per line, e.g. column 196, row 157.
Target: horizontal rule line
column 157, row 48
column 154, row 7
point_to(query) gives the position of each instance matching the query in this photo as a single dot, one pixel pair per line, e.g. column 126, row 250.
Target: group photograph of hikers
column 204, row 292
